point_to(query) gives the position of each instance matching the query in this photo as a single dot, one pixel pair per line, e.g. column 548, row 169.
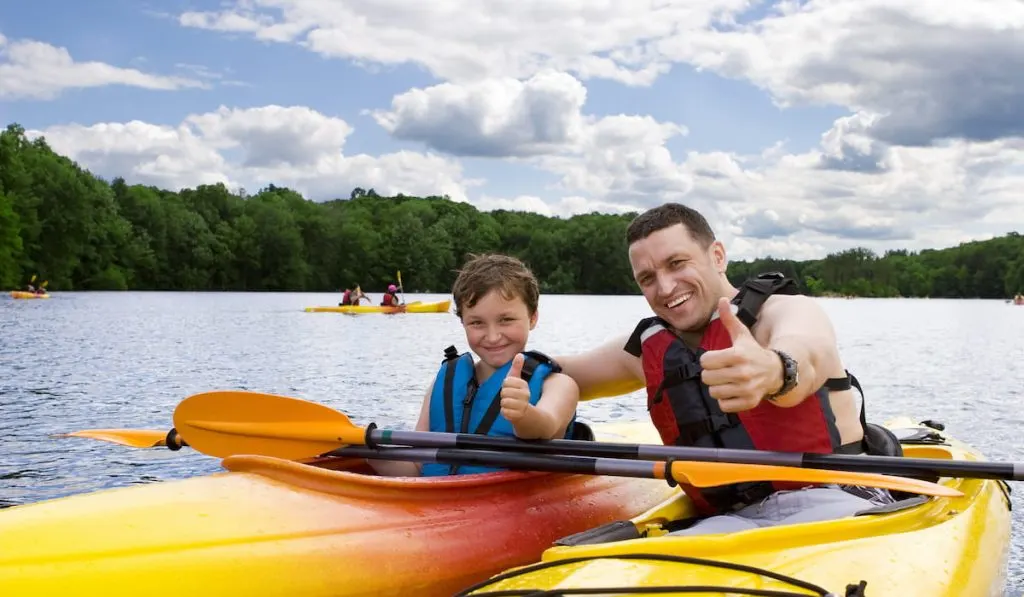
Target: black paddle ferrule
column 669, row 478
column 174, row 441
column 368, row 436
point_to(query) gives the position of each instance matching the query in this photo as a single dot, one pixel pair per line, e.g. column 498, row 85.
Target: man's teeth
column 680, row 300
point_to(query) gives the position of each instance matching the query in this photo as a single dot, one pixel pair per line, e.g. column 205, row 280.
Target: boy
column 496, row 299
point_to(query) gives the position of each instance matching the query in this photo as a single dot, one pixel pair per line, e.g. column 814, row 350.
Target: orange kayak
column 275, row 528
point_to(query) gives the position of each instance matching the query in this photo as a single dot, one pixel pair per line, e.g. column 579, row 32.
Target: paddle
column 400, row 289
column 699, row 474
column 225, row 423
column 133, row 438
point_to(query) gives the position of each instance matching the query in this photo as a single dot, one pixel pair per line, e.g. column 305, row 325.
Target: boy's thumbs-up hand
column 515, row 392
column 739, row 377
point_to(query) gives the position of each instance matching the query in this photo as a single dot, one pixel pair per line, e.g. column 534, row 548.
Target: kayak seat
column 619, row 530
column 881, row 441
column 582, row 432
column 903, row 504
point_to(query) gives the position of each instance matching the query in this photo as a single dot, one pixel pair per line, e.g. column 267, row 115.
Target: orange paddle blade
column 135, row 438
column 712, row 474
column 227, row 423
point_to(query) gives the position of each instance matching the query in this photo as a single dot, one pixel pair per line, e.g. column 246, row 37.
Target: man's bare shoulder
column 792, row 313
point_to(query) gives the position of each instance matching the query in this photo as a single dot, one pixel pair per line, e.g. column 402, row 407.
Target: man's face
column 680, row 279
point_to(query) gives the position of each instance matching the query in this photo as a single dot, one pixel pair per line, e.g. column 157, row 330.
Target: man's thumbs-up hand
column 740, row 376
column 515, row 392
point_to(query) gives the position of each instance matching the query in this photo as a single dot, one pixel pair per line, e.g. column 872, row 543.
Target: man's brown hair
column 484, row 273
column 670, row 214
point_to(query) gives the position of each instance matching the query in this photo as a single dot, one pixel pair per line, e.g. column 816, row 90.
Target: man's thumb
column 517, row 366
column 736, row 328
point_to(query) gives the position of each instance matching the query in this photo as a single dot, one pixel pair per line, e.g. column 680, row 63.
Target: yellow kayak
column 934, row 547
column 324, row 528
column 22, row 294
column 416, row 307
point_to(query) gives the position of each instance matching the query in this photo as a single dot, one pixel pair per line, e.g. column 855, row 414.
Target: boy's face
column 497, row 328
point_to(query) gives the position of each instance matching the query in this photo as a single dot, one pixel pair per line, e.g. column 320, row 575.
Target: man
column 712, row 381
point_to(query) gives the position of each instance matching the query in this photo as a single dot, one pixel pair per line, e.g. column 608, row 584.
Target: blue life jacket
column 457, row 392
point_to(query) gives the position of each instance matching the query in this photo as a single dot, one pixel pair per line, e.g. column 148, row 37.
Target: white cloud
column 562, row 208
column 464, row 40
column 496, row 117
column 540, row 122
column 35, row 70
column 921, row 69
column 273, row 135
column 289, row 146
column 925, row 197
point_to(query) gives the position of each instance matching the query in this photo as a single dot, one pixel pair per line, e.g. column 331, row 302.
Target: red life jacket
column 387, row 300
column 685, row 414
column 346, row 298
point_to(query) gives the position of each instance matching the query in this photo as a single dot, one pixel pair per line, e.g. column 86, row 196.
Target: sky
column 799, row 128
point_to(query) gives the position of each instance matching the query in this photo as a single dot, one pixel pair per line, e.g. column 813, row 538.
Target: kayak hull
column 943, row 547
column 21, row 294
column 417, row 307
column 271, row 528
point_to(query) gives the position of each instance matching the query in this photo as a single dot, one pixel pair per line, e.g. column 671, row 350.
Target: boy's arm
column 556, row 407
column 398, row 468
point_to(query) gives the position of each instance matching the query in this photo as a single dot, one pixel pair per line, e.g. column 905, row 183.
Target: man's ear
column 717, row 253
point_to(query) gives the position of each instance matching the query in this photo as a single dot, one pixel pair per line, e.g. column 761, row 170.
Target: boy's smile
column 497, row 328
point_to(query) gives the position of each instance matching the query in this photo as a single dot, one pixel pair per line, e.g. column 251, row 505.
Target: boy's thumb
column 517, row 366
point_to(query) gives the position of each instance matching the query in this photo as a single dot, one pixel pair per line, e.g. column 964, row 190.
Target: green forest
column 80, row 232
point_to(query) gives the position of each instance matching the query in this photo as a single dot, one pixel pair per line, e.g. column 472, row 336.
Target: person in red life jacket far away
column 755, row 367
column 390, row 298
column 352, row 297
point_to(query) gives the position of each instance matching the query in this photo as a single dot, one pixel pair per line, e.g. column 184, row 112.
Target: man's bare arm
column 798, row 326
column 607, row 370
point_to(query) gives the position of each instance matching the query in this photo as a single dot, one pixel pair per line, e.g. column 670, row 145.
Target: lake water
column 125, row 360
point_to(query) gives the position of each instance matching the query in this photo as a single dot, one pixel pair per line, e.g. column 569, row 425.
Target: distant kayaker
column 352, row 297
column 755, row 367
column 511, row 392
column 390, row 298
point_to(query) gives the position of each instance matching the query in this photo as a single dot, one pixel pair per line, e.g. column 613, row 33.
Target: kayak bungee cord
column 856, row 590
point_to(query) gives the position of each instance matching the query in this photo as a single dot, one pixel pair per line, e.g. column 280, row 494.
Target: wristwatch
column 790, row 377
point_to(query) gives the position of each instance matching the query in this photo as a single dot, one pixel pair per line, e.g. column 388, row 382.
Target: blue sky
column 791, row 128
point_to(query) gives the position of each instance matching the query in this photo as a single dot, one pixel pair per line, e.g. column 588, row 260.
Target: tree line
column 80, row 232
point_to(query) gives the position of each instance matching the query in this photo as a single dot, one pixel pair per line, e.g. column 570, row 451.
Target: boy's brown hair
column 484, row 273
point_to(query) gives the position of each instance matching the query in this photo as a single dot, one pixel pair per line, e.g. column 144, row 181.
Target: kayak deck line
column 852, row 590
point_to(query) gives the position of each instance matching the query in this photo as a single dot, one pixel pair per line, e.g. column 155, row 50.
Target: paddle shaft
column 889, row 465
column 511, row 460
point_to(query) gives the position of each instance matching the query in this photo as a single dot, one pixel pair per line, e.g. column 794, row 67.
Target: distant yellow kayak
column 21, row 294
column 416, row 307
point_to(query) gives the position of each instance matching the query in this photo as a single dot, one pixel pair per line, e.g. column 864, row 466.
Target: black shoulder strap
column 451, row 357
column 534, row 358
column 634, row 344
column 754, row 292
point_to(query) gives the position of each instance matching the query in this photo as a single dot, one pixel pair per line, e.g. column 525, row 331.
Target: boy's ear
column 533, row 320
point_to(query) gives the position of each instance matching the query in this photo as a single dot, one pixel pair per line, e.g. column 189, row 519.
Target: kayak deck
column 931, row 547
column 414, row 307
column 271, row 528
